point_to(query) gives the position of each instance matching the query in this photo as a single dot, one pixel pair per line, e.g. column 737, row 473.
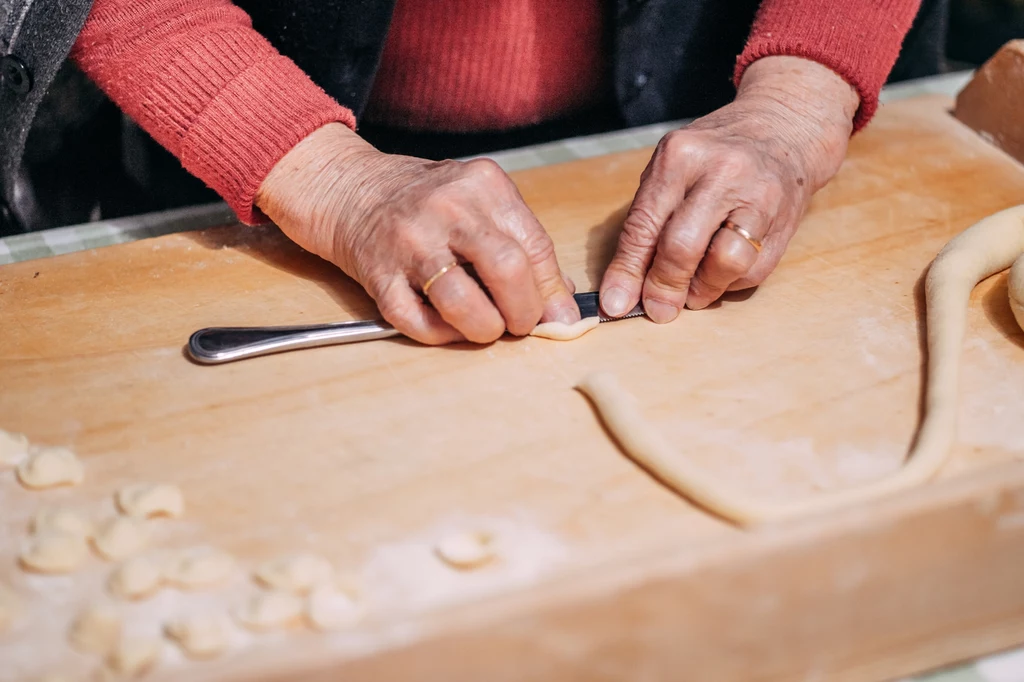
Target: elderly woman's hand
column 755, row 163
column 395, row 223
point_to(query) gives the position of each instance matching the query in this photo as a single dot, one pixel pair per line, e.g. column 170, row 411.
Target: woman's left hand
column 754, row 163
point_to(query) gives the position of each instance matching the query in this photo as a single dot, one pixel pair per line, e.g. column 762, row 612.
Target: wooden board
column 369, row 453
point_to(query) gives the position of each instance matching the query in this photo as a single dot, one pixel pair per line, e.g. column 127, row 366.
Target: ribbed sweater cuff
column 250, row 125
column 858, row 40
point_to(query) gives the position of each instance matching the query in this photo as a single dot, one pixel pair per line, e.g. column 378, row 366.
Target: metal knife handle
column 215, row 345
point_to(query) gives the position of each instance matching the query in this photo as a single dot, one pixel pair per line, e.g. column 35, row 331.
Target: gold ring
column 756, row 243
column 438, row 275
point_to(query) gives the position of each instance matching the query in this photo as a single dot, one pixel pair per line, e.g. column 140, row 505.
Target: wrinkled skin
column 391, row 222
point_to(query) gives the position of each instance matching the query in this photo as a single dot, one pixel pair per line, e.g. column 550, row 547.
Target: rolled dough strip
column 987, row 247
column 1016, row 285
column 560, row 331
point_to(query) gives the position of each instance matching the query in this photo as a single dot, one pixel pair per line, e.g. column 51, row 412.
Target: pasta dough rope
column 987, row 247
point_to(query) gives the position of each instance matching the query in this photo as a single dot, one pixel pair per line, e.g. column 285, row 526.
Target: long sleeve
column 858, row 39
column 197, row 77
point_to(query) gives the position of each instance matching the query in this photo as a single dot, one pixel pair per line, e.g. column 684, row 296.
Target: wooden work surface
column 368, row 453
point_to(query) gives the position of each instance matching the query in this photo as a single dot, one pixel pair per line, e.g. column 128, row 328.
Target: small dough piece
column 328, row 608
column 54, row 551
column 97, row 630
column 136, row 578
column 120, row 537
column 151, row 499
column 200, row 636
column 13, row 449
column 198, row 567
column 298, row 573
column 10, row 608
column 269, row 611
column 560, row 331
column 50, row 467
column 64, row 520
column 466, row 551
column 133, row 656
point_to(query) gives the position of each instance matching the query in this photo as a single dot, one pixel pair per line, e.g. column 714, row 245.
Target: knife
column 216, row 345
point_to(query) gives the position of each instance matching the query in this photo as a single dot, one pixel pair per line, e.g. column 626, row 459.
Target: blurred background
column 86, row 162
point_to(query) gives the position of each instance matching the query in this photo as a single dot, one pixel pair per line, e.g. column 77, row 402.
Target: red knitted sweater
column 204, row 84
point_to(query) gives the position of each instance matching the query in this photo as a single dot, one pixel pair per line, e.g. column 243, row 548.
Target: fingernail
column 659, row 311
column 615, row 301
column 567, row 316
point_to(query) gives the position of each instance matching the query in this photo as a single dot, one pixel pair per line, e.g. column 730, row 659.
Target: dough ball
column 297, row 573
column 270, row 610
column 199, row 636
column 136, row 578
column 465, row 551
column 198, row 567
column 133, row 656
column 97, row 630
column 54, row 551
column 328, row 608
column 13, row 449
column 151, row 499
column 64, row 520
column 120, row 537
column 10, row 608
column 50, row 467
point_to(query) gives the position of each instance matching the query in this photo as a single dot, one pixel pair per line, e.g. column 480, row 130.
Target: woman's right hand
column 392, row 222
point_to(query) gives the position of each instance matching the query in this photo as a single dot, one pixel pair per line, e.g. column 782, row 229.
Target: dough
column 62, row 519
column 560, row 331
column 13, row 449
column 50, row 467
column 1016, row 286
column 987, row 247
column 120, row 537
column 270, row 610
column 151, row 499
column 199, row 636
column 133, row 656
column 96, row 630
column 10, row 608
column 54, row 551
column 465, row 550
column 136, row 578
column 298, row 573
column 198, row 567
column 328, row 608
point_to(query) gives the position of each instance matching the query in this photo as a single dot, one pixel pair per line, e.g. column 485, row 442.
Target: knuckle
column 681, row 248
column 509, row 261
column 675, row 144
column 485, row 170
column 641, row 228
column 539, row 246
column 727, row 260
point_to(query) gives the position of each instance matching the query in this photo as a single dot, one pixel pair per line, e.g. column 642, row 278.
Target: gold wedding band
column 438, row 275
column 756, row 243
